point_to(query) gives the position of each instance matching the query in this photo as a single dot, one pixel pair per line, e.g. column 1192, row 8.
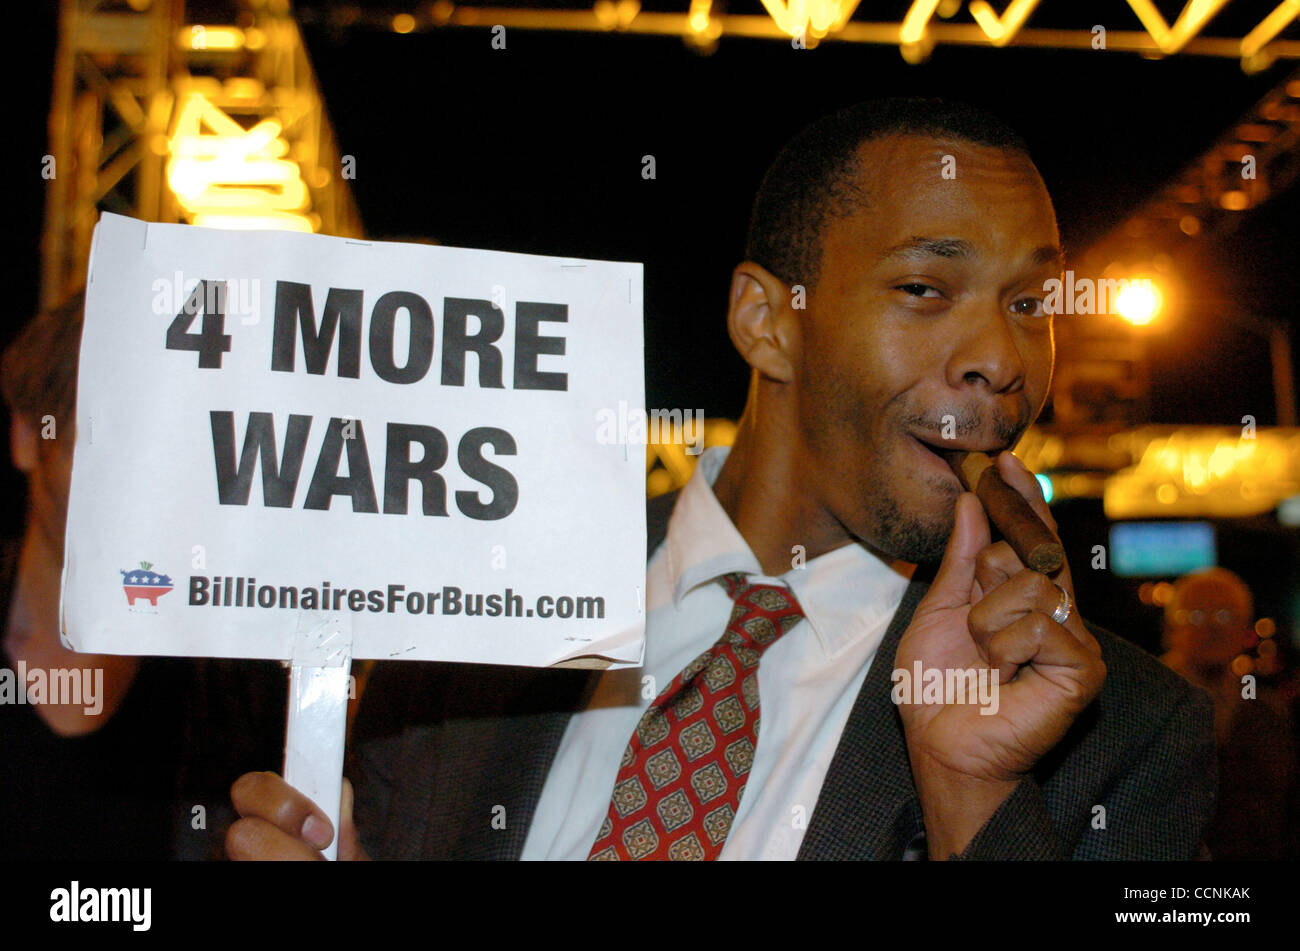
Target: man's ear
column 761, row 321
column 22, row 443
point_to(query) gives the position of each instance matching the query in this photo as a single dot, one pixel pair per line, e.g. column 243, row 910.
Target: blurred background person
column 1209, row 623
column 142, row 772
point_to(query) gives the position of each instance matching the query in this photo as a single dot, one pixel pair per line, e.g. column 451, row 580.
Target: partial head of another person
column 1209, row 618
column 38, row 376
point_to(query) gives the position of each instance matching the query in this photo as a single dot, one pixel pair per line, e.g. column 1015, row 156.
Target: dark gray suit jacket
column 449, row 760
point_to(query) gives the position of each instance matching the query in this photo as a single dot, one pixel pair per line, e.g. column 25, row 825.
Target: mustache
column 965, row 420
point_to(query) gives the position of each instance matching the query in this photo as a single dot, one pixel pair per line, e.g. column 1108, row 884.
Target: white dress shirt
column 808, row 679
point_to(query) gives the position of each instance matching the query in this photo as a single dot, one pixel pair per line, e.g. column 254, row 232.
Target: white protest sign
column 272, row 426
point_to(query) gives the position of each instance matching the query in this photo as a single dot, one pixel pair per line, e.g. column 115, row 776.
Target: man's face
column 925, row 328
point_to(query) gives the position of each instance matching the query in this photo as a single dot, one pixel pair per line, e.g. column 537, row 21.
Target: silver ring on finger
column 1064, row 609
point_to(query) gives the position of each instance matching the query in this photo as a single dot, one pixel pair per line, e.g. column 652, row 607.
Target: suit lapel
column 533, row 741
column 868, row 808
column 479, row 803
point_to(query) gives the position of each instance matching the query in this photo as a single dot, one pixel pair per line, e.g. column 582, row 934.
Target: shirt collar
column 845, row 593
column 702, row 542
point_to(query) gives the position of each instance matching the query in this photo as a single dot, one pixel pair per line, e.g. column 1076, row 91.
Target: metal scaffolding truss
column 1102, row 373
column 1254, row 158
column 920, row 27
column 127, row 73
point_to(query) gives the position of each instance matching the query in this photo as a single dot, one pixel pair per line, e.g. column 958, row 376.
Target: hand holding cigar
column 1007, row 509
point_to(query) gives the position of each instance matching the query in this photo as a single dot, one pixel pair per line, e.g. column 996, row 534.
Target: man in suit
column 891, row 304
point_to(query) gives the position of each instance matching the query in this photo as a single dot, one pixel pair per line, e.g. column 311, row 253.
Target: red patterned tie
column 683, row 772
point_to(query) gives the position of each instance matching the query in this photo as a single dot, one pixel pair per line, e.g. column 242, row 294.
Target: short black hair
column 812, row 181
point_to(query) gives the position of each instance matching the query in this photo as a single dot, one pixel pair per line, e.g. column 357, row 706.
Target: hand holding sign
column 278, row 822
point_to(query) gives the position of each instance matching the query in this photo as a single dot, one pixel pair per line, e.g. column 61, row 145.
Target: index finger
column 1017, row 475
column 267, row 796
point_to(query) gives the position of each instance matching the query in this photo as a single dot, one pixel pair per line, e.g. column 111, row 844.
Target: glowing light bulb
column 1139, row 302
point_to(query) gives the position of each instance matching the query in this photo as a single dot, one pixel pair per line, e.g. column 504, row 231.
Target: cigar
column 1008, row 511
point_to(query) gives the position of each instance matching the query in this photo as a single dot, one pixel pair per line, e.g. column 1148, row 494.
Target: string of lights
column 808, row 22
